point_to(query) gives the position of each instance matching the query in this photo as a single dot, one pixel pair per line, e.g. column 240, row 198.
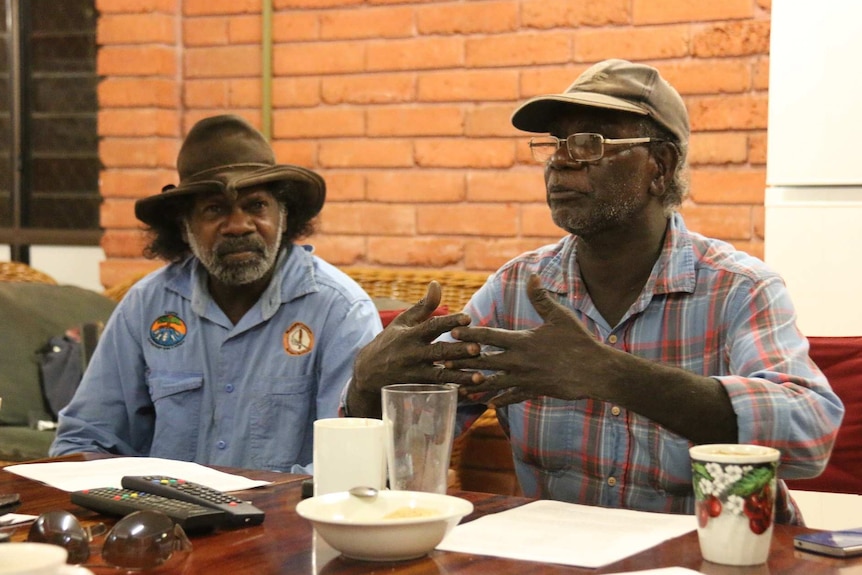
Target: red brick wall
column 403, row 106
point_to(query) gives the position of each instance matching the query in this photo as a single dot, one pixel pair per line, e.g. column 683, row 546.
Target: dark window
column 49, row 158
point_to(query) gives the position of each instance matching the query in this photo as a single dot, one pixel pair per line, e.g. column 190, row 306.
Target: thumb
column 422, row 309
column 542, row 303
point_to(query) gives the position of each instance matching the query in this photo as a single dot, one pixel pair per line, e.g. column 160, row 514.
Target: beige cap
column 613, row 85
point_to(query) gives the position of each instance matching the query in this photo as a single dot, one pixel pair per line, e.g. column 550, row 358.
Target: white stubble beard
column 239, row 273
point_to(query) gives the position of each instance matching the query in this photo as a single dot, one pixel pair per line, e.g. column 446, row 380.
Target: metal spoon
column 363, row 492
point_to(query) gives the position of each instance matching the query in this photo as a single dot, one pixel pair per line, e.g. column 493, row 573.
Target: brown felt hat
column 227, row 154
column 612, row 85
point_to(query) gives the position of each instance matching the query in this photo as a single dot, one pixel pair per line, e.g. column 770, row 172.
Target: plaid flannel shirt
column 706, row 308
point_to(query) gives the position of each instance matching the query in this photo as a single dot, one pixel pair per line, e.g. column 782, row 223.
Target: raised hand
column 404, row 352
column 559, row 359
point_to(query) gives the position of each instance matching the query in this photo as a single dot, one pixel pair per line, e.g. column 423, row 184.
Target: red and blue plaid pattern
column 706, row 308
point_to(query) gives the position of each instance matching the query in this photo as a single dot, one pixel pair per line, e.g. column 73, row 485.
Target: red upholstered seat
column 840, row 358
column 386, row 316
column 390, row 308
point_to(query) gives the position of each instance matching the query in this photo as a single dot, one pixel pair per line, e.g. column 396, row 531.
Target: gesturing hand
column 404, row 352
column 559, row 359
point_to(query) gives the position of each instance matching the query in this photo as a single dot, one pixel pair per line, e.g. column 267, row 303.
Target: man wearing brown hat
column 611, row 352
column 228, row 354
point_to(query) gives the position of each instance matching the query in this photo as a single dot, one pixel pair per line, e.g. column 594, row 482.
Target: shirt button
column 221, row 444
column 612, row 339
column 229, row 388
column 615, row 410
column 612, row 481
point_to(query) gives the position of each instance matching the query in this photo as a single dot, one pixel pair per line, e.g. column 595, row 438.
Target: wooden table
column 286, row 544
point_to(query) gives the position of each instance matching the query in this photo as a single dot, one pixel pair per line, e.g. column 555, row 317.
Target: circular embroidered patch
column 168, row 331
column 298, row 339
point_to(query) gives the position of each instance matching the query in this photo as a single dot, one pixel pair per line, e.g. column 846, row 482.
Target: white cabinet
column 814, row 134
column 814, row 161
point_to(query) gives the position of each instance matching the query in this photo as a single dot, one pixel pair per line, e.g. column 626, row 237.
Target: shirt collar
column 294, row 277
column 673, row 271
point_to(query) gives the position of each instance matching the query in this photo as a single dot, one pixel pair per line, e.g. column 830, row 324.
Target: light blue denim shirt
column 172, row 377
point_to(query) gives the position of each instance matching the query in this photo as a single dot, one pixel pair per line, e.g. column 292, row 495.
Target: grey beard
column 605, row 216
column 237, row 273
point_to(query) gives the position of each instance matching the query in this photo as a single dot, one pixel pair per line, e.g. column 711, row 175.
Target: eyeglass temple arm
column 627, row 140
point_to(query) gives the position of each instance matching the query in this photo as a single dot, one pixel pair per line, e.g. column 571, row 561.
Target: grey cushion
column 30, row 314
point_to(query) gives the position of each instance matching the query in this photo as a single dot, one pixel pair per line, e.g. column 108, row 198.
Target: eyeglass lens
column 63, row 529
column 144, row 539
column 586, row 147
column 140, row 540
column 582, row 147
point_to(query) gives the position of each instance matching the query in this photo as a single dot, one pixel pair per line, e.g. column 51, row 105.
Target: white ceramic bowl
column 364, row 528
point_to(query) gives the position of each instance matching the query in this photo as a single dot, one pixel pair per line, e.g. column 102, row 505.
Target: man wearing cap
column 611, row 352
column 228, row 354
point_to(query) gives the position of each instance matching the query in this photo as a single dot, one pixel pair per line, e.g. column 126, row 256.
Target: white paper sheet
column 78, row 475
column 10, row 519
column 665, row 571
column 566, row 533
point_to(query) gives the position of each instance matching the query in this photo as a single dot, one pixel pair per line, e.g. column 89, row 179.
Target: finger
column 511, row 396
column 431, row 329
column 431, row 374
column 446, row 351
column 422, row 309
column 464, row 379
column 488, row 384
column 502, row 338
column 444, row 323
column 542, row 303
column 468, row 386
column 484, row 362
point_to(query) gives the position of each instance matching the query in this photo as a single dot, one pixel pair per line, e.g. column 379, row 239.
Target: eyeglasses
column 582, row 147
column 141, row 540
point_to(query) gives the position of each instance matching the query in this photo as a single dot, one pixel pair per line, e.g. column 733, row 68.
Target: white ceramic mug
column 734, row 489
column 35, row 559
column 348, row 452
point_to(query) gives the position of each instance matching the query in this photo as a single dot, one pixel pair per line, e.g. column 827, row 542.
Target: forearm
column 62, row 446
column 690, row 405
column 77, row 435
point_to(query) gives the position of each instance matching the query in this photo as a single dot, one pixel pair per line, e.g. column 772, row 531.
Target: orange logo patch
column 168, row 331
column 298, row 339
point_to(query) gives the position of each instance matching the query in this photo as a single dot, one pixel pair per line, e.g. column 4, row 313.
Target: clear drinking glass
column 420, row 427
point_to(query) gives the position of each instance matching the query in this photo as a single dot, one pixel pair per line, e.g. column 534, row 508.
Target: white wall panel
column 814, row 239
column 69, row 265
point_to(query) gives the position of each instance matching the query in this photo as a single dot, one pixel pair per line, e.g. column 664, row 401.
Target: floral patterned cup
column 734, row 491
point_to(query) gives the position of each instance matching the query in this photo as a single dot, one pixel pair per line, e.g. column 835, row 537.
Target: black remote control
column 114, row 501
column 238, row 512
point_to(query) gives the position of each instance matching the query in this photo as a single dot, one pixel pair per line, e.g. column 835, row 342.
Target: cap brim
column 307, row 192
column 536, row 114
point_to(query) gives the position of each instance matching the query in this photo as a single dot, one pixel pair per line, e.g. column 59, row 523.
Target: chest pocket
column 177, row 400
column 281, row 422
column 669, row 469
column 543, row 435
